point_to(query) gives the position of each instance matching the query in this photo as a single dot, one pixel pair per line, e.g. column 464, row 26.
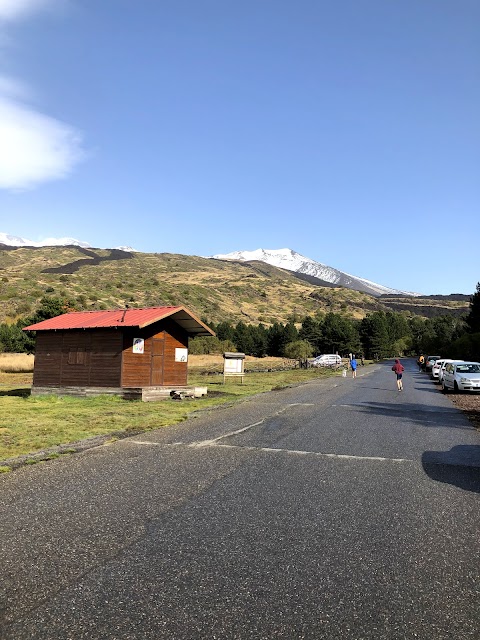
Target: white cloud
column 34, row 148
column 12, row 9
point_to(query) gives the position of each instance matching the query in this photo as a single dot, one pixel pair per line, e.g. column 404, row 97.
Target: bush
column 298, row 350
column 467, row 347
column 208, row 345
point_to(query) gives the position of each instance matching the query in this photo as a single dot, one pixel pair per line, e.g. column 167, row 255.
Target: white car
column 437, row 365
column 326, row 360
column 461, row 376
column 443, row 364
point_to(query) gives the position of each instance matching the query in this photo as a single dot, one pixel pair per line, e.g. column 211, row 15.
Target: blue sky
column 347, row 131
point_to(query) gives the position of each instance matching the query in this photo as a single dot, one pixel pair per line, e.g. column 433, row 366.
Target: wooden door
column 156, row 371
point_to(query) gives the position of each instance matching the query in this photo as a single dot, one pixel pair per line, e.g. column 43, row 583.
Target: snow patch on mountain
column 293, row 261
column 16, row 241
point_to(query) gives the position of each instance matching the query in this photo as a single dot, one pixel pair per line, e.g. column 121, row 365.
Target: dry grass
column 214, row 362
column 16, row 362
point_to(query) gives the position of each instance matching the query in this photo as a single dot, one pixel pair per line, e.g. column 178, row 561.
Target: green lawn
column 30, row 424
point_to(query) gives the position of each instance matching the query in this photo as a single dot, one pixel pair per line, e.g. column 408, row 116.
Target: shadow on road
column 424, row 414
column 424, row 384
column 459, row 466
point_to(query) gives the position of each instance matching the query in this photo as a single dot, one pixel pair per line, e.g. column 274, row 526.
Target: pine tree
column 473, row 318
column 374, row 335
column 274, row 339
column 340, row 335
column 311, row 330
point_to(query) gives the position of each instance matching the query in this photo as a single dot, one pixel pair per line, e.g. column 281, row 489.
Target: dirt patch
column 93, row 259
column 469, row 403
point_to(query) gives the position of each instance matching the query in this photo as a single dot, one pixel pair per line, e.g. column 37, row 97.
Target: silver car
column 461, row 376
column 443, row 364
column 327, row 360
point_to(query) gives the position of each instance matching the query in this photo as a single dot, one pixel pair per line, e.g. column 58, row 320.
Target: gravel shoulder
column 470, row 405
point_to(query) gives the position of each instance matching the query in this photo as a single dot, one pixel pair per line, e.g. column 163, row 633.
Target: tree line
column 14, row 340
column 380, row 334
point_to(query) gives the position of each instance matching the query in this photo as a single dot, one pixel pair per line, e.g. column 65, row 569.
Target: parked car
column 437, row 365
column 326, row 359
column 443, row 364
column 461, row 376
column 430, row 361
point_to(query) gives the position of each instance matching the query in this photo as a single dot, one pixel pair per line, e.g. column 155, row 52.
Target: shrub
column 298, row 350
column 209, row 344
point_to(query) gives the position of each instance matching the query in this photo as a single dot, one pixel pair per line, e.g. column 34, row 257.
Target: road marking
column 208, row 443
column 296, row 452
column 313, row 453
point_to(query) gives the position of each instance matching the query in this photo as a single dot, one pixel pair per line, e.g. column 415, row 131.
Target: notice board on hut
column 233, row 366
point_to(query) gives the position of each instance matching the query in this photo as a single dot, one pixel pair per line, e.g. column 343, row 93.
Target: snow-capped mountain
column 15, row 241
column 293, row 261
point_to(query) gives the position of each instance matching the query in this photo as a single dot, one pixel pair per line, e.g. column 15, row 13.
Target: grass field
column 32, row 424
column 16, row 362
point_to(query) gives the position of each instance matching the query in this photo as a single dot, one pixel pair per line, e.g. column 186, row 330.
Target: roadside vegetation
column 378, row 335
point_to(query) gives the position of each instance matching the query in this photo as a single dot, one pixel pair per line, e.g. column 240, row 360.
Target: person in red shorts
column 399, row 369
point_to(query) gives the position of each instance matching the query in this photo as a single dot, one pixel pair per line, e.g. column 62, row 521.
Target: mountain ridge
column 218, row 290
column 309, row 270
column 293, row 261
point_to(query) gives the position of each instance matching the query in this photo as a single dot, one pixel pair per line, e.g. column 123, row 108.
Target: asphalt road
column 340, row 509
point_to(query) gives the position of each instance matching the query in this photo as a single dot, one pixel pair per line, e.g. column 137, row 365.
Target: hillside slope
column 214, row 289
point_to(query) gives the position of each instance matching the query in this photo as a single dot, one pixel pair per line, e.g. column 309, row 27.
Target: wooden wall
column 78, row 358
column 175, row 373
column 156, row 366
column 105, row 357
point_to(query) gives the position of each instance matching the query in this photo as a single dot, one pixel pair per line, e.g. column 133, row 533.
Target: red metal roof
column 122, row 318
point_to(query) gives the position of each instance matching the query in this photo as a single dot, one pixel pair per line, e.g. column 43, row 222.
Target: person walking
column 420, row 362
column 398, row 369
column 353, row 364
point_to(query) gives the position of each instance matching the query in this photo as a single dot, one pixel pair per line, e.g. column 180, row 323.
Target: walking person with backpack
column 353, row 364
column 398, row 369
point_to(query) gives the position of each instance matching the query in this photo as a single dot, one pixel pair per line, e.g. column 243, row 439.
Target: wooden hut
column 137, row 353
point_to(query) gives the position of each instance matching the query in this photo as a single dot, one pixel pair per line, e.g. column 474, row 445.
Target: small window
column 77, row 356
